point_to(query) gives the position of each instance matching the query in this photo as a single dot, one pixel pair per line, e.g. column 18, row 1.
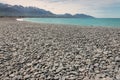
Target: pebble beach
column 34, row 51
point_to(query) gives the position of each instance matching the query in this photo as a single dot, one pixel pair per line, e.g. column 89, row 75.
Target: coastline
column 49, row 51
column 97, row 22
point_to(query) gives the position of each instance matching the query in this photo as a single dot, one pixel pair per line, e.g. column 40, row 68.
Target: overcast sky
column 96, row 8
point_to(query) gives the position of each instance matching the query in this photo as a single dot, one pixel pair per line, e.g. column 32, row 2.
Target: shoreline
column 92, row 25
column 58, row 52
column 21, row 19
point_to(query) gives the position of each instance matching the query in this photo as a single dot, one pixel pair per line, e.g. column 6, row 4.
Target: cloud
column 56, row 1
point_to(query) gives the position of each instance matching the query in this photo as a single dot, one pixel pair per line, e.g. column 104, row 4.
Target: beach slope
column 58, row 52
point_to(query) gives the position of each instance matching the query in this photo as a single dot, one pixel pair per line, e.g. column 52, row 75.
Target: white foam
column 19, row 19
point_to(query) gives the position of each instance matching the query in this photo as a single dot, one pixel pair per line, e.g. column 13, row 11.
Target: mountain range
column 7, row 10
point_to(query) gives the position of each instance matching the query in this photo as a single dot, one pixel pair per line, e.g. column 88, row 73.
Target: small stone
column 29, row 64
column 35, row 73
column 107, row 78
column 15, row 54
column 86, row 78
column 99, row 50
column 42, row 44
column 13, row 49
column 82, row 69
column 99, row 76
column 12, row 75
column 88, row 61
column 97, row 71
column 97, row 55
column 18, row 77
column 96, row 64
column 6, row 78
column 118, row 76
column 27, row 76
column 8, row 67
column 2, row 56
column 117, row 59
column 48, row 44
column 105, row 52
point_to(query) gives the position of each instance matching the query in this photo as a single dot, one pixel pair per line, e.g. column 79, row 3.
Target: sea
column 92, row 22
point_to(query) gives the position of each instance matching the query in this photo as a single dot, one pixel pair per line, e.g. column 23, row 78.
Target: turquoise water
column 102, row 22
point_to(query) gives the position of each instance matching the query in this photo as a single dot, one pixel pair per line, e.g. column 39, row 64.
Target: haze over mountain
column 18, row 10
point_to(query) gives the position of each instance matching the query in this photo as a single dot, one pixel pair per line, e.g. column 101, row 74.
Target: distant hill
column 20, row 11
column 67, row 15
column 8, row 10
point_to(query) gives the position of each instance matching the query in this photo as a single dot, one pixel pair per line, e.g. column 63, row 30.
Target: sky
column 96, row 8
